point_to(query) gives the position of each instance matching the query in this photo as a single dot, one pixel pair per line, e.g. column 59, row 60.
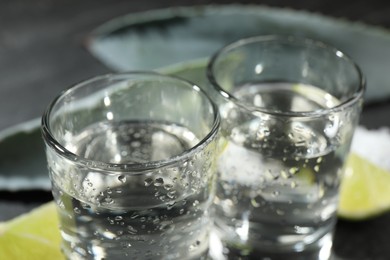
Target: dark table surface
column 42, row 51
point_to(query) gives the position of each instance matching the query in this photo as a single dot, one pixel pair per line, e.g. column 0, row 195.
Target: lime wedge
column 364, row 191
column 31, row 236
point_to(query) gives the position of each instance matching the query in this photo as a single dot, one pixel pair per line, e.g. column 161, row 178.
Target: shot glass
column 289, row 107
column 131, row 159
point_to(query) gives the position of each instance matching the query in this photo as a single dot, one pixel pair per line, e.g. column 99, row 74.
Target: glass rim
column 302, row 41
column 127, row 167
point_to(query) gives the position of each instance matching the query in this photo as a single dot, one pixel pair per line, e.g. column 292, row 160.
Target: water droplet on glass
column 293, row 170
column 171, row 194
column 255, row 203
column 284, row 174
column 159, row 182
column 134, row 215
column 131, row 230
column 148, row 182
column 168, row 186
column 126, row 244
column 195, row 245
column 171, row 205
column 108, row 200
column 61, row 204
column 122, row 178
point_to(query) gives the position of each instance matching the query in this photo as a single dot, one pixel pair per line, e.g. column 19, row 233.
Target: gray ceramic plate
column 159, row 38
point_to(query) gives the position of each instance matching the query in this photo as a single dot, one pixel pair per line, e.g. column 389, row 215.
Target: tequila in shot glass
column 131, row 159
column 289, row 108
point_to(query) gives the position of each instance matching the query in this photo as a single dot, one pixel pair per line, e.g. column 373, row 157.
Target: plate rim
column 140, row 17
column 27, row 126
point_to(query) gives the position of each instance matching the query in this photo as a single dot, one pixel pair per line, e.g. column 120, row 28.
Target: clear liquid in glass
column 158, row 214
column 278, row 177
